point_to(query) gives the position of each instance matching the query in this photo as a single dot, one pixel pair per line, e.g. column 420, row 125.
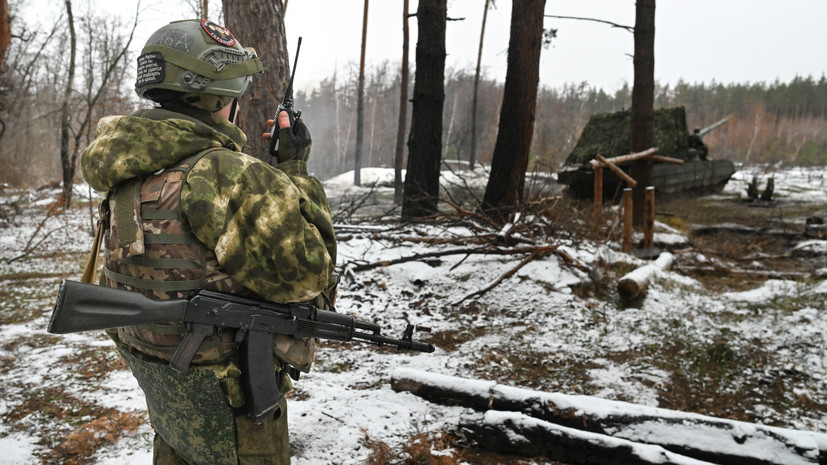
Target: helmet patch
column 221, row 34
column 150, row 69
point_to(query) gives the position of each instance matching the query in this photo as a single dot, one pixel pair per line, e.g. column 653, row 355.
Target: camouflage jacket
column 270, row 227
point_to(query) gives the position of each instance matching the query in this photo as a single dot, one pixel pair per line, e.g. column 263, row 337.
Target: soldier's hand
column 294, row 143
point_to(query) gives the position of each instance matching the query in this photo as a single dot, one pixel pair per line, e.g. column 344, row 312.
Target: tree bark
column 472, row 158
column 403, row 109
column 643, row 97
column 511, row 151
column 360, row 104
column 5, row 31
column 425, row 142
column 260, row 24
column 66, row 159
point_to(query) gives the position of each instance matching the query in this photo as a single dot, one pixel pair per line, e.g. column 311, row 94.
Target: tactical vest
column 149, row 249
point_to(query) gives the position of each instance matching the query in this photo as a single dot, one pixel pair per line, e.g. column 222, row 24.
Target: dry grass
column 79, row 446
column 92, row 426
column 442, row 448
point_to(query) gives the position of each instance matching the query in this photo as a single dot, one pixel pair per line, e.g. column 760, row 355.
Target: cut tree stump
column 635, row 283
column 701, row 437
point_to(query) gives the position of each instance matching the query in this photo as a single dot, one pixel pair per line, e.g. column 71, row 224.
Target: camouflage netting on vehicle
column 610, row 135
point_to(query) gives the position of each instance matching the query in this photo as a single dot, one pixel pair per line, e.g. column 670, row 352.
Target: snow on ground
column 535, row 319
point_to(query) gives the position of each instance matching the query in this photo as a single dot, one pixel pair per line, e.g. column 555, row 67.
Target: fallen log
column 737, row 229
column 762, row 274
column 519, row 434
column 702, row 437
column 635, row 283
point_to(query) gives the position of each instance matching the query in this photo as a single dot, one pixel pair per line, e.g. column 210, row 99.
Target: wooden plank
column 598, row 190
column 619, row 172
column 670, row 160
column 628, row 221
column 649, row 218
column 619, row 160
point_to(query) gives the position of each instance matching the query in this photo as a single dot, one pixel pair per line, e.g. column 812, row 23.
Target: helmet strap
column 233, row 109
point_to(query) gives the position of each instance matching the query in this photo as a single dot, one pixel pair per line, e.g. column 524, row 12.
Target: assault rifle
column 85, row 307
column 286, row 105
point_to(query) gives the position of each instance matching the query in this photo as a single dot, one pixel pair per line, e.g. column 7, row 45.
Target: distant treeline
column 766, row 122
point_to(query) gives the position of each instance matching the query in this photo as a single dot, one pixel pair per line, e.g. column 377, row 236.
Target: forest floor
column 734, row 330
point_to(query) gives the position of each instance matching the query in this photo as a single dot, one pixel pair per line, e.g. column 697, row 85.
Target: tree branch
column 621, row 26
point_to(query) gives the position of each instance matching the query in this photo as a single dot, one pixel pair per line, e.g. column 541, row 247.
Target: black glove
column 294, row 143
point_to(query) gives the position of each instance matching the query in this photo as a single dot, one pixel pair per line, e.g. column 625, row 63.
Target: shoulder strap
column 90, row 270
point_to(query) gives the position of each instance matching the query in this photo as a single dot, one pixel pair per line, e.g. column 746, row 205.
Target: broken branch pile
column 590, row 430
column 518, row 238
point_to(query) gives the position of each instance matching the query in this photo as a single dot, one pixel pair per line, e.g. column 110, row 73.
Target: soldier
column 187, row 209
column 697, row 147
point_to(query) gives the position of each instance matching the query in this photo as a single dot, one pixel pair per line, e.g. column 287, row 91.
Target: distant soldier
column 752, row 189
column 769, row 190
column 697, row 148
column 187, row 209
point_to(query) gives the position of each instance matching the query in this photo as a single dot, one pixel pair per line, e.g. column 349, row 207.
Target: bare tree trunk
column 206, row 9
column 372, row 131
column 260, row 25
column 472, row 158
column 66, row 160
column 516, row 128
column 360, row 104
column 5, row 31
column 403, row 110
column 425, row 143
column 450, row 126
column 643, row 97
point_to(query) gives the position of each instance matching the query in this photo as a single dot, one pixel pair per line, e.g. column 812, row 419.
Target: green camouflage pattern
column 290, row 257
column 189, row 410
column 161, row 191
column 129, row 146
column 267, row 231
column 270, row 228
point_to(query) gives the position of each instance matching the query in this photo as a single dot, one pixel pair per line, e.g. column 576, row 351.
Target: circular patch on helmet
column 221, row 34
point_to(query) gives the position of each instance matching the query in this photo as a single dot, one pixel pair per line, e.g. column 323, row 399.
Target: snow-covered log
column 634, row 283
column 520, row 434
column 701, row 437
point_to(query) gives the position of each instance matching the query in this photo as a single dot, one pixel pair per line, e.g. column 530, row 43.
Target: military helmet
column 200, row 61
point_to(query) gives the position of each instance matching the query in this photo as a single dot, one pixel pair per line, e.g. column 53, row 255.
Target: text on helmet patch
column 221, row 34
column 150, row 69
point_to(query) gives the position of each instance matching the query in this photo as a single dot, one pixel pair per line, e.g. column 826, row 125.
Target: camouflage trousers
column 265, row 444
column 198, row 419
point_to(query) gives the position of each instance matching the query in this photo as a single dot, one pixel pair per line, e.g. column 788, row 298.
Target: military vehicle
column 609, row 135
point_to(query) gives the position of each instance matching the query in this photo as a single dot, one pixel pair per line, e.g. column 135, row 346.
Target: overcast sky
column 697, row 41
